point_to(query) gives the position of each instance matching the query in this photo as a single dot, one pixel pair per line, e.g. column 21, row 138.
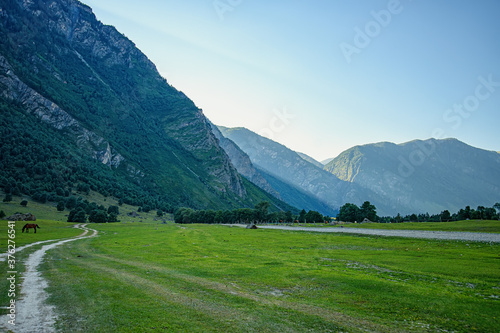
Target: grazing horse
column 27, row 226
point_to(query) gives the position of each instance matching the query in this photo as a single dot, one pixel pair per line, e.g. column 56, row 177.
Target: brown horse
column 28, row 226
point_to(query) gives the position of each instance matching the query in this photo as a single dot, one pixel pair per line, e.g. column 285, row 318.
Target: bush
column 98, row 216
column 77, row 215
column 60, row 206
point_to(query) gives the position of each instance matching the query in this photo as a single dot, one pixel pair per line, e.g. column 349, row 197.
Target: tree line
column 259, row 214
column 467, row 213
column 352, row 213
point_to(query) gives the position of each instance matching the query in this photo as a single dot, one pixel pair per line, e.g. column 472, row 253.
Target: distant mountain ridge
column 415, row 177
column 423, row 175
column 290, row 168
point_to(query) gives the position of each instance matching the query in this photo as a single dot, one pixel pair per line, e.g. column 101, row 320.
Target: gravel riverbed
column 445, row 235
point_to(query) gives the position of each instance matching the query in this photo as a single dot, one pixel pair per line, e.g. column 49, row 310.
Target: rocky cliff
column 50, row 113
column 242, row 163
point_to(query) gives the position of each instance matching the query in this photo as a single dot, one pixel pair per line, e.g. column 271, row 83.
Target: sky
column 322, row 76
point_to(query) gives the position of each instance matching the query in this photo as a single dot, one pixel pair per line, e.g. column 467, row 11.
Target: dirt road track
column 33, row 314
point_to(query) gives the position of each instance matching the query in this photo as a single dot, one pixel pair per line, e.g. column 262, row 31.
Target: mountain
column 81, row 106
column 325, row 162
column 296, row 196
column 272, row 185
column 295, row 174
column 310, row 160
column 423, row 176
column 242, row 163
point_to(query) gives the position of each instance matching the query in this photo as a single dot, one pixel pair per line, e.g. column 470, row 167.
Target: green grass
column 48, row 211
column 142, row 277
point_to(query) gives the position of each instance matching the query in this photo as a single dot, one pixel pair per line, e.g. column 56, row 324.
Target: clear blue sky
column 321, row 76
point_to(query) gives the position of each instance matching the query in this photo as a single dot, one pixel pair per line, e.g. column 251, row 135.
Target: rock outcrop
column 242, row 162
column 22, row 217
column 50, row 113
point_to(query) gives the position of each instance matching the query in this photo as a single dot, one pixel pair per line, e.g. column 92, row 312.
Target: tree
column 314, row 217
column 98, row 216
column 497, row 207
column 113, row 217
column 60, row 206
column 113, row 209
column 2, row 214
column 159, row 213
column 219, row 217
column 348, row 213
column 445, row 216
column 261, row 211
column 490, row 214
column 77, row 215
column 71, row 202
column 467, row 213
column 368, row 211
column 302, row 216
column 8, row 197
column 24, row 203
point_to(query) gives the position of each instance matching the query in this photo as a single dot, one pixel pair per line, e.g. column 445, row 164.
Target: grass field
column 152, row 277
column 149, row 277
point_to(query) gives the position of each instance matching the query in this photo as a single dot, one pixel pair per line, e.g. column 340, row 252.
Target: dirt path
column 445, row 235
column 32, row 312
column 3, row 256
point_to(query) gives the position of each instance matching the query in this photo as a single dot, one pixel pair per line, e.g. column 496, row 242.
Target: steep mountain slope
column 242, row 163
column 310, row 160
column 272, row 185
column 423, row 176
column 287, row 166
column 325, row 162
column 296, row 196
column 90, row 88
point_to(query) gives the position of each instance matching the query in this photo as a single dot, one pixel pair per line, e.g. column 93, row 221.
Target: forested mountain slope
column 81, row 105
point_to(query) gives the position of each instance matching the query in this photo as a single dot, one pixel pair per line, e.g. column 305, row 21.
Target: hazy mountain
column 423, row 176
column 80, row 104
column 242, row 163
column 310, row 160
column 285, row 165
column 328, row 160
column 297, row 197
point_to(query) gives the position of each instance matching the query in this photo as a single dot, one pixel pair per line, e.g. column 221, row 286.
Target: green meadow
column 153, row 277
